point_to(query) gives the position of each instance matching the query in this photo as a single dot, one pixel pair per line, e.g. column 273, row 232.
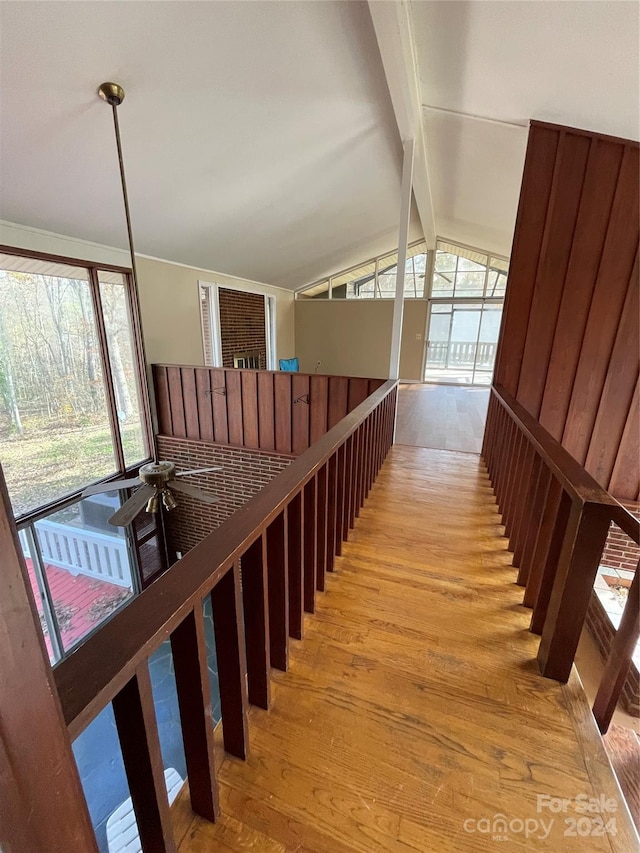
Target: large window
column 375, row 279
column 465, row 309
column 71, row 405
column 72, row 411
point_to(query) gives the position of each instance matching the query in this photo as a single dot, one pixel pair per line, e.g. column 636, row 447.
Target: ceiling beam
column 392, row 25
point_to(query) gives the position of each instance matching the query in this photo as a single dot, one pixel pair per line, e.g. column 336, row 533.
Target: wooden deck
column 413, row 713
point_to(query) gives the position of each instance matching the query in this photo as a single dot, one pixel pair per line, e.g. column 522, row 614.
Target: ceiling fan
column 157, row 481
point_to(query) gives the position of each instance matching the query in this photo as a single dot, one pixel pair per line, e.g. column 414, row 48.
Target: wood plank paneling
column 266, row 412
column 338, row 399
column 249, row 381
column 282, row 397
column 319, row 406
column 163, row 407
column 537, row 180
column 300, row 390
column 358, row 392
column 617, row 394
column 205, row 407
column 176, row 402
column 234, row 407
column 557, row 241
column 219, row 404
column 588, row 242
column 568, row 347
column 190, row 402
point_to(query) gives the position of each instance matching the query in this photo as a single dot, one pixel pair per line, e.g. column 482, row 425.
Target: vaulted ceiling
column 263, row 139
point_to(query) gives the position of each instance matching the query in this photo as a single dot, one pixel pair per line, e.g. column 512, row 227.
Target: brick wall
column 245, row 473
column 621, row 552
column 600, row 628
column 242, row 325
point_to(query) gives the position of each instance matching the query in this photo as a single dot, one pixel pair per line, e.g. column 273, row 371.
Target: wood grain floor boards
column 414, row 702
column 447, row 417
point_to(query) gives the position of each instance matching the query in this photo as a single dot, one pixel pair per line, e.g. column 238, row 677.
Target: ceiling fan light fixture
column 168, row 500
column 153, row 504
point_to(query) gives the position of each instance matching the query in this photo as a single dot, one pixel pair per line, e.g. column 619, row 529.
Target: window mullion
column 45, row 593
column 106, row 370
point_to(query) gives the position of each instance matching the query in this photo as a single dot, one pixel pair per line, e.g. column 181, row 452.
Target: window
column 72, row 404
column 465, row 309
column 374, row 279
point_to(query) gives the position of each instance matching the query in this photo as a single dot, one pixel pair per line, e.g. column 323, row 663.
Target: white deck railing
column 82, row 552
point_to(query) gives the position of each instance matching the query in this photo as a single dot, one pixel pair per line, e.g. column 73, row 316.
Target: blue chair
column 290, row 364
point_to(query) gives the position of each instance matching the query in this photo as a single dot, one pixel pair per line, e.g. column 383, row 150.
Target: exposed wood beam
column 392, row 24
column 408, row 160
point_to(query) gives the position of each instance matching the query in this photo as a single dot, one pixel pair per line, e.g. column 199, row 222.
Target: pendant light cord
column 125, row 195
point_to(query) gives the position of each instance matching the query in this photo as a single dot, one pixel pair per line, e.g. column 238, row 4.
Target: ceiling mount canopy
column 112, row 93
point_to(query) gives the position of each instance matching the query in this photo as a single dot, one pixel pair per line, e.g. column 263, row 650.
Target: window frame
column 133, row 306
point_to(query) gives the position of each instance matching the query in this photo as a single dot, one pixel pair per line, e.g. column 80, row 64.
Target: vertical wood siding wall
column 258, row 409
column 569, row 346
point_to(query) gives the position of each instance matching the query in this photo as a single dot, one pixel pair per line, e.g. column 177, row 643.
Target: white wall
column 168, row 293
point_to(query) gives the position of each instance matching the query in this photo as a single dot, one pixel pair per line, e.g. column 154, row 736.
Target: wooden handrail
column 99, row 669
column 557, row 518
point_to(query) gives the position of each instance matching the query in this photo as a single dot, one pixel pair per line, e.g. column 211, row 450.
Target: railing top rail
column 159, row 365
column 575, row 480
column 99, row 668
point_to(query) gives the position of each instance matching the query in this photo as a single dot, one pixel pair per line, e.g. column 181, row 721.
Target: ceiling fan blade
column 111, row 487
column 132, row 507
column 194, row 492
column 198, row 471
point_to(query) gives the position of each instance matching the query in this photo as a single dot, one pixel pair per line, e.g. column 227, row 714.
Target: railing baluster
column 584, row 541
column 138, row 733
column 340, row 496
column 230, row 653
column 513, row 483
column 321, row 526
column 348, row 488
column 332, row 511
column 189, row 649
column 620, row 655
column 550, row 536
column 255, row 602
column 310, row 544
column 357, row 475
column 524, row 498
column 278, row 586
column 540, row 480
column 295, row 544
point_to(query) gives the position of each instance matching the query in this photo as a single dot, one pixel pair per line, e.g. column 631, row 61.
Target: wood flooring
column 413, row 711
column 446, row 417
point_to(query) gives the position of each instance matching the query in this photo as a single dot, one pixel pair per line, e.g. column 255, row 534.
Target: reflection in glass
column 122, row 359
column 86, row 564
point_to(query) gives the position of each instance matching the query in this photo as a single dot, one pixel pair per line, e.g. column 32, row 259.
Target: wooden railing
column 557, row 518
column 261, row 570
column 260, row 409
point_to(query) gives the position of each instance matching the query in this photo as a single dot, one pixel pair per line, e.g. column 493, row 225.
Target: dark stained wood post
column 135, row 718
column 310, row 544
column 189, row 649
column 535, row 520
column 42, row 805
column 332, row 509
column 295, row 545
column 555, row 529
column 255, row 601
column 321, row 525
column 278, row 586
column 524, row 498
column 584, row 541
column 341, row 462
column 348, row 489
column 357, row 472
column 231, row 657
column 620, row 655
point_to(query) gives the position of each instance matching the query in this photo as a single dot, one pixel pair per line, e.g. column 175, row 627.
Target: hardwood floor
column 413, row 710
column 446, row 417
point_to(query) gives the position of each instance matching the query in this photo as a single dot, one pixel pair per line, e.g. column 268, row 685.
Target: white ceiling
column 573, row 63
column 259, row 138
